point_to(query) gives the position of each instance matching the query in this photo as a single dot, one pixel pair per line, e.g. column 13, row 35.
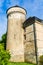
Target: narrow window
column 25, row 34
column 25, row 37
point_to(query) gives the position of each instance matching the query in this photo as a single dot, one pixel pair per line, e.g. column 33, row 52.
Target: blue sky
column 33, row 7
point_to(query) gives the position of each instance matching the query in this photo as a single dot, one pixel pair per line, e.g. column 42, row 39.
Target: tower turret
column 16, row 16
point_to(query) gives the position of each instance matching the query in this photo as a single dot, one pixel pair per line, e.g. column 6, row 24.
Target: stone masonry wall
column 29, row 45
column 39, row 38
column 15, row 36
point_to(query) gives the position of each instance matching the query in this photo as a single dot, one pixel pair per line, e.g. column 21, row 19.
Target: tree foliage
column 3, row 40
column 41, row 60
column 4, row 55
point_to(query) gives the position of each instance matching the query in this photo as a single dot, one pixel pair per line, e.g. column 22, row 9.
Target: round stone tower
column 15, row 33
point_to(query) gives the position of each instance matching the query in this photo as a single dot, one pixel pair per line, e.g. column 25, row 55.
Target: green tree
column 41, row 60
column 3, row 40
column 4, row 56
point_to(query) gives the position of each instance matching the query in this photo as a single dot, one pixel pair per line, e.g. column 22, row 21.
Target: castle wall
column 39, row 38
column 15, row 38
column 29, row 44
column 25, row 45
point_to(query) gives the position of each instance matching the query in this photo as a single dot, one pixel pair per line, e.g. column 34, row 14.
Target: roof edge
column 17, row 6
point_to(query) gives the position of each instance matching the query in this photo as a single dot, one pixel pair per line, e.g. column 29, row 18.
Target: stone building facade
column 24, row 36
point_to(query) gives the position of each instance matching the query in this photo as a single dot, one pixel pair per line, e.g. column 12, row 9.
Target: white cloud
column 34, row 8
column 1, row 3
column 10, row 3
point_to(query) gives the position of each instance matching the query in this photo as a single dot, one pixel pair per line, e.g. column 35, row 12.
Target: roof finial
column 16, row 6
